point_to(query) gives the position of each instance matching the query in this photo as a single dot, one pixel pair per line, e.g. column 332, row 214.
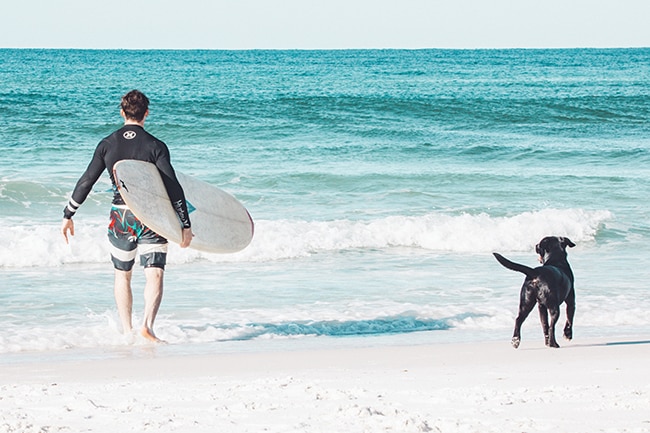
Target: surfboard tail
column 528, row 271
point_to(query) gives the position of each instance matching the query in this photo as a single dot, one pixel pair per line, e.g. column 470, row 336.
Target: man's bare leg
column 153, row 293
column 124, row 298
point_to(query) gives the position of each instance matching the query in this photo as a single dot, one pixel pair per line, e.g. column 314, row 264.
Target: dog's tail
column 530, row 272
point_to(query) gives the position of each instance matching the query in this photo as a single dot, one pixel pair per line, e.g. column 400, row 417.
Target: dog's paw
column 515, row 342
column 550, row 342
column 568, row 332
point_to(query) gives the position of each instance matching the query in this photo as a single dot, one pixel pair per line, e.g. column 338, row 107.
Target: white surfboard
column 220, row 223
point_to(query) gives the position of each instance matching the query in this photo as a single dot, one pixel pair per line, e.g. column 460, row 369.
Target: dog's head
column 552, row 244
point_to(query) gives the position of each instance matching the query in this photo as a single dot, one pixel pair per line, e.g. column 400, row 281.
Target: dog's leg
column 555, row 315
column 543, row 318
column 525, row 307
column 570, row 312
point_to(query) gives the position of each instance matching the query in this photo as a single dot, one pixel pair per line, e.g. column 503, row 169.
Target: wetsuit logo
column 129, row 135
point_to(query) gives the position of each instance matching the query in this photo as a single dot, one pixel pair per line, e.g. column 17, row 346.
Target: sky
column 324, row 24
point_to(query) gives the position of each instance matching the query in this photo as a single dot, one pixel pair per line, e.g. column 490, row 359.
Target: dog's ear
column 566, row 242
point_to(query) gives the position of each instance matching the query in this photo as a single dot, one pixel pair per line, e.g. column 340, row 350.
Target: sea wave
column 28, row 246
column 101, row 329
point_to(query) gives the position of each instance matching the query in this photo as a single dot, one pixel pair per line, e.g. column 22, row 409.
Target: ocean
column 380, row 182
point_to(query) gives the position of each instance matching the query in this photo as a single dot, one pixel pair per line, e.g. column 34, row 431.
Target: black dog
column 548, row 285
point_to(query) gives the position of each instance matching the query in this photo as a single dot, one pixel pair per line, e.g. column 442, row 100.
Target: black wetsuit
column 129, row 142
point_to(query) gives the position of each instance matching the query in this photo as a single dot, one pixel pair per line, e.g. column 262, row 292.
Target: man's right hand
column 186, row 238
column 67, row 226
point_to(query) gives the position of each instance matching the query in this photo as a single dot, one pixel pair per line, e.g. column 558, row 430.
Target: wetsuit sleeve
column 174, row 188
column 86, row 182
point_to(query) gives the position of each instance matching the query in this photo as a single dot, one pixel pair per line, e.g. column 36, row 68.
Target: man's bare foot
column 149, row 335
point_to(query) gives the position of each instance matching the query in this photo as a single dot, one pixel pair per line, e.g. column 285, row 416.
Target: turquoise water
column 380, row 182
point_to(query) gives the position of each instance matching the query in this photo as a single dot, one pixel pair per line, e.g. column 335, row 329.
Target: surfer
column 126, row 233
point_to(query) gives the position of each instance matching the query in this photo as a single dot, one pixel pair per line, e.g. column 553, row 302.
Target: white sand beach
column 590, row 386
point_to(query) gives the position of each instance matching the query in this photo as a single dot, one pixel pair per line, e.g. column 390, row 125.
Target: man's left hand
column 186, row 238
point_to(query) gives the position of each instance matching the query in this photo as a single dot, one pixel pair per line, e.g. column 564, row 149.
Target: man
column 126, row 233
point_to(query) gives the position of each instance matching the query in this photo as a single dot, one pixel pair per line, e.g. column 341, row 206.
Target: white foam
column 25, row 246
column 100, row 330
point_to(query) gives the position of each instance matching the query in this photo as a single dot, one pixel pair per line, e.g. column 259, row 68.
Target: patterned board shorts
column 128, row 236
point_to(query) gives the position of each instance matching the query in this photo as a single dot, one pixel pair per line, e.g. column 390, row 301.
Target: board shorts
column 128, row 237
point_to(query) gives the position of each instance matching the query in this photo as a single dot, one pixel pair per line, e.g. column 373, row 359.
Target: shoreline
column 137, row 363
column 594, row 385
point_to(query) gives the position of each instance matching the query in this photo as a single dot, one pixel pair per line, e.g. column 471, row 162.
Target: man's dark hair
column 135, row 104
